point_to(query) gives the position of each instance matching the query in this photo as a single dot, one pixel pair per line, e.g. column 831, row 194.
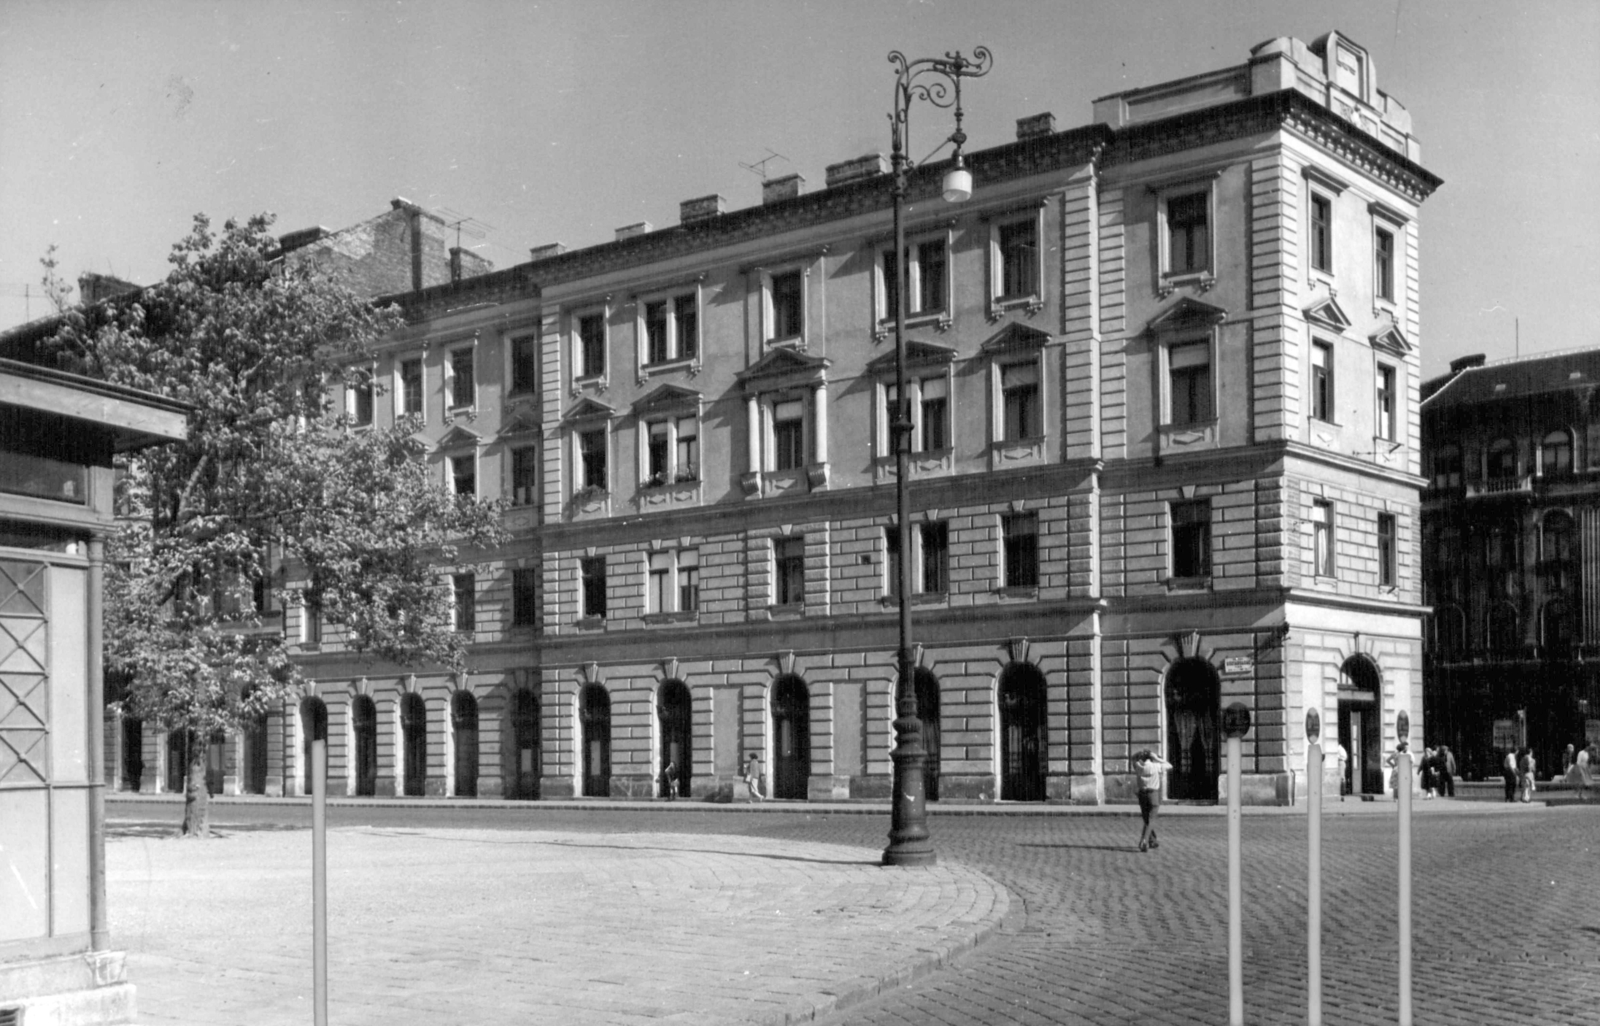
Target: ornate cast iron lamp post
column 937, row 80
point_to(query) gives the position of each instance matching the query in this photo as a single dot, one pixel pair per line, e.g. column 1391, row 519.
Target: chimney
column 1035, row 126
column 845, row 172
column 787, row 187
column 628, row 231
column 1462, row 363
column 545, row 252
column 455, row 264
column 701, row 209
column 94, row 288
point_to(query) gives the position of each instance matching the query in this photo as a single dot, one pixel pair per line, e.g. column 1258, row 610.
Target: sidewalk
column 542, row 926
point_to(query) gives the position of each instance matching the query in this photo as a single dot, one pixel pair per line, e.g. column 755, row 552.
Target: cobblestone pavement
column 1506, row 916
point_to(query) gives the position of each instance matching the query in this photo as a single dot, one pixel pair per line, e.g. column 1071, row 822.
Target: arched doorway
column 927, row 689
column 1022, row 733
column 791, row 738
column 464, row 722
column 132, row 753
column 594, row 718
column 524, row 744
column 364, row 728
column 313, row 727
column 676, row 736
column 1360, row 725
column 1194, row 704
column 252, row 749
column 180, row 748
column 414, row 742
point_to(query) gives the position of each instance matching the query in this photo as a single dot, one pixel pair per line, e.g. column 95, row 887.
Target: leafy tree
column 272, row 490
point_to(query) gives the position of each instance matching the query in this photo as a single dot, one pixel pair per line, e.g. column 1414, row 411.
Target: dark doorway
column 364, row 725
column 676, row 736
column 524, row 745
column 253, row 739
column 132, row 753
column 464, row 721
column 1022, row 733
column 791, row 738
column 927, row 689
column 414, row 741
column 1361, row 726
column 1194, row 700
column 177, row 759
column 313, row 727
column 594, row 717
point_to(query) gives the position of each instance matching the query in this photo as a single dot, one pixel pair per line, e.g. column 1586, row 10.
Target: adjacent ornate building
column 1511, row 532
column 1165, row 393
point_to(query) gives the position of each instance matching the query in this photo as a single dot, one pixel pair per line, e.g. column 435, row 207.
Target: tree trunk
column 196, row 797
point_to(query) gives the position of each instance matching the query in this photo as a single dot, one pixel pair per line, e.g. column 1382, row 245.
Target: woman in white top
column 1580, row 775
column 1148, row 767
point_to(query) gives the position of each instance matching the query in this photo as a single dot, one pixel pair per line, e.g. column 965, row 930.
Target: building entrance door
column 464, row 721
column 1361, row 725
column 414, row 739
column 525, row 744
column 675, row 736
column 791, row 739
column 132, row 753
column 1022, row 733
column 364, row 721
column 1194, row 697
column 313, row 727
column 255, row 756
column 595, row 719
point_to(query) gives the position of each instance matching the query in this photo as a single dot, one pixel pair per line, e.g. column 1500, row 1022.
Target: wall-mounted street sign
column 1237, row 666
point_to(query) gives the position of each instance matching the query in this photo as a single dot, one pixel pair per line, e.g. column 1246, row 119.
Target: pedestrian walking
column 1447, row 771
column 1576, row 772
column 1393, row 762
column 1584, row 764
column 1568, row 757
column 1508, row 771
column 1527, row 765
column 1148, row 767
column 669, row 780
column 1343, row 766
column 1429, row 770
column 752, row 777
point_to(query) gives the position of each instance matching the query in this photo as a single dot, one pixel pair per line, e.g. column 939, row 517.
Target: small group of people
column 1520, row 769
column 1517, row 769
column 1436, row 768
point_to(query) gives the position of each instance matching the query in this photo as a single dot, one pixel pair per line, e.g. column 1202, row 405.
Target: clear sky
column 560, row 121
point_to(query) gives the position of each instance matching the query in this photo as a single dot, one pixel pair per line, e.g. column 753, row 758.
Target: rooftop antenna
column 760, row 166
column 1518, row 322
column 471, row 227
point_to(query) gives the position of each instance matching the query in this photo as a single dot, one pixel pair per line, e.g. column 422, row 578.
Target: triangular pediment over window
column 1328, row 314
column 590, row 408
column 1187, row 314
column 459, row 437
column 1391, row 338
column 523, row 422
column 667, row 397
column 1015, row 336
column 782, row 367
column 918, row 354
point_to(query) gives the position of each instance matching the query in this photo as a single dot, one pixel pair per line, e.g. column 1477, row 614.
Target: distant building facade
column 1511, row 532
column 1166, row 390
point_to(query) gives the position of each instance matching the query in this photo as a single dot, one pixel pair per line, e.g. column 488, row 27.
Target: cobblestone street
column 1507, row 915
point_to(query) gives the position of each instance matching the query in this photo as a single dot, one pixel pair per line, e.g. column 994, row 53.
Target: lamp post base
column 908, row 828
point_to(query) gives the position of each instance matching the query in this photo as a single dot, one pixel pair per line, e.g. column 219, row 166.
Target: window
column 464, row 474
column 361, row 400
column 1191, row 538
column 671, row 328
column 658, row 452
column 686, row 325
column 1322, row 538
column 660, row 592
column 310, row 620
column 1019, row 392
column 672, row 451
column 1322, row 381
column 1502, row 461
column 789, row 434
column 524, row 597
column 1321, row 233
column 787, row 297
column 655, row 332
column 464, row 608
column 524, row 363
column 1188, row 233
column 930, row 419
column 686, row 460
column 1386, row 426
column 1383, row 264
column 592, row 577
column 1020, row 540
column 1447, row 467
column 1555, row 454
column 927, row 270
column 891, row 562
column 592, row 345
column 789, row 571
column 463, row 391
column 688, row 581
column 1388, row 573
column 525, row 476
column 411, row 386
column 1189, row 377
column 1018, row 244
column 935, row 557
column 592, row 457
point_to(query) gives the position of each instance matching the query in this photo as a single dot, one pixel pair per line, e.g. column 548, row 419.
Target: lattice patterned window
column 24, row 672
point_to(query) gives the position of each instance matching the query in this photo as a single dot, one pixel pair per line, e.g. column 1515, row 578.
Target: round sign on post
column 1236, row 720
column 1313, row 724
column 1402, row 725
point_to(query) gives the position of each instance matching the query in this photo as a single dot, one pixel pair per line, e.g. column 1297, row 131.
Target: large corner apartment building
column 1166, row 393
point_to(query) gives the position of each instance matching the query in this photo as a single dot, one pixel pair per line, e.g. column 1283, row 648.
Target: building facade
column 1164, row 380
column 1511, row 532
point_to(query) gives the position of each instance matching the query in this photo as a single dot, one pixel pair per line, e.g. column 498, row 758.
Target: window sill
column 940, row 320
column 1171, row 281
column 662, row 619
column 787, row 342
column 674, row 363
column 1018, row 591
column 591, row 623
column 469, row 410
column 929, row 463
column 1189, row 583
column 1021, row 452
column 792, row 611
column 1032, row 303
column 921, row 598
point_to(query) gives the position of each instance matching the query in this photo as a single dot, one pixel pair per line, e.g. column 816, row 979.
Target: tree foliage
column 274, row 491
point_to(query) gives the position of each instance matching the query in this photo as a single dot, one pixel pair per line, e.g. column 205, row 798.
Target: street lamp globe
column 957, row 184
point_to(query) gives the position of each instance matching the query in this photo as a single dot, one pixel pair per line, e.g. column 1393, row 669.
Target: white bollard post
column 319, row 880
column 1235, row 724
column 1403, row 796
column 1313, row 870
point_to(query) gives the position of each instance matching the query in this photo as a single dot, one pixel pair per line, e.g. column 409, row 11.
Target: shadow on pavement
column 1081, row 847
column 167, row 828
column 644, row 848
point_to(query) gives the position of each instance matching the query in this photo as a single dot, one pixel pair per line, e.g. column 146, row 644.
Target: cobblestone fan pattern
column 457, row 926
